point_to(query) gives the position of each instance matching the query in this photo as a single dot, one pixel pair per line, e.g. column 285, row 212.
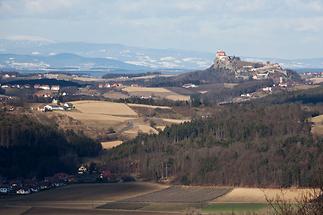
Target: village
column 85, row 174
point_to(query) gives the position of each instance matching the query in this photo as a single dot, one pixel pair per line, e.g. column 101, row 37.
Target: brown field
column 176, row 121
column 183, row 194
column 161, row 127
column 229, row 85
column 304, row 87
column 178, row 97
column 317, row 119
column 148, row 106
column 140, row 198
column 155, row 92
column 123, row 118
column 73, row 211
column 257, row 195
column 317, row 80
column 115, row 95
column 103, row 107
column 111, row 144
column 141, row 129
column 77, row 199
column 317, row 128
column 146, row 89
column 101, row 114
column 174, row 199
column 98, row 120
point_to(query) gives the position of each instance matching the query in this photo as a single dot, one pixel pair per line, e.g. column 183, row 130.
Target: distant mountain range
column 110, row 57
column 65, row 62
column 150, row 58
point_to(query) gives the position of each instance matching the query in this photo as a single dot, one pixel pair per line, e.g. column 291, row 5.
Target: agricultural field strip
column 90, row 211
column 156, row 91
column 317, row 119
column 147, row 89
column 97, row 117
column 181, row 194
column 148, row 106
column 258, row 195
column 111, row 144
column 102, row 107
column 176, row 121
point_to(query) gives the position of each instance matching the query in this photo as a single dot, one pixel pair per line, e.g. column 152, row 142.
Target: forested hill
column 210, row 75
column 241, row 145
column 30, row 149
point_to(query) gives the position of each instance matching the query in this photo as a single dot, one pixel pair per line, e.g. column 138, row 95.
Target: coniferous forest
column 30, row 149
column 242, row 145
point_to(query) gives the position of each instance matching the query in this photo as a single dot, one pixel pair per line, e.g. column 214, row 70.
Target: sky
column 258, row 28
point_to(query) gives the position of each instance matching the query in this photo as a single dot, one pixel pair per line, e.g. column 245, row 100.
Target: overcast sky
column 266, row 28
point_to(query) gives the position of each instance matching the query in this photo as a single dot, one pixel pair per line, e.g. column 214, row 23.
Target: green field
column 234, row 207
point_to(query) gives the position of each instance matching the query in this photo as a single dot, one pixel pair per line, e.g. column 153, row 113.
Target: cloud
column 189, row 24
column 36, row 8
column 307, row 24
column 43, row 6
column 305, row 5
column 28, row 37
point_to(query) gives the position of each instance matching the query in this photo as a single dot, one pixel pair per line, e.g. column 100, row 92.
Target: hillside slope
column 240, row 145
column 29, row 148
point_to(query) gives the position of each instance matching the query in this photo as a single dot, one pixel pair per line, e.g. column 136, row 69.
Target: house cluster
column 28, row 186
column 107, row 85
column 93, row 175
column 313, row 74
column 8, row 75
column 28, row 86
column 18, row 86
column 268, row 70
column 47, row 87
column 56, row 106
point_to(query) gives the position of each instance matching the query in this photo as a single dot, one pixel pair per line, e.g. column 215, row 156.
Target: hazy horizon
column 285, row 29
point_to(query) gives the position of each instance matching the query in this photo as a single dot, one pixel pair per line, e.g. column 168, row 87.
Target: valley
column 230, row 138
column 178, row 107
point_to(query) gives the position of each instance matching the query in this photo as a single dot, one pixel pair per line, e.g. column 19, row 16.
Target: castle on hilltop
column 221, row 55
column 222, row 60
column 248, row 70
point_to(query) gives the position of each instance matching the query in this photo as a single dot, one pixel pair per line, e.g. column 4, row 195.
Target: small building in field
column 55, row 88
column 53, row 108
column 45, row 87
column 68, row 106
column 189, row 86
column 82, row 170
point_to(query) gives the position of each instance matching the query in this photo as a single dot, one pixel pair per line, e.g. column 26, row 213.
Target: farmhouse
column 44, row 93
column 68, row 106
column 267, row 89
column 189, row 86
column 53, row 108
column 55, row 88
column 82, row 169
column 5, row 86
column 44, row 87
column 106, row 85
